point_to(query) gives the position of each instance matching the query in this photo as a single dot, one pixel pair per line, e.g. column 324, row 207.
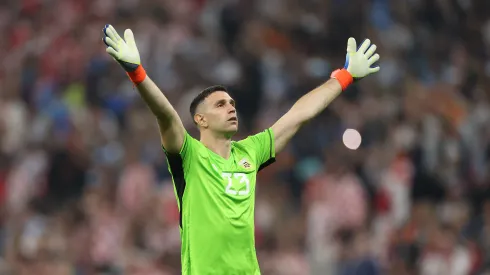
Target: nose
column 232, row 110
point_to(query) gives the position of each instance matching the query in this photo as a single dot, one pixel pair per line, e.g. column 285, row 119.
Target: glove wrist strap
column 137, row 76
column 343, row 77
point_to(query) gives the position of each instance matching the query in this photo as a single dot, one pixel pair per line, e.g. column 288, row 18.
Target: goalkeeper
column 214, row 177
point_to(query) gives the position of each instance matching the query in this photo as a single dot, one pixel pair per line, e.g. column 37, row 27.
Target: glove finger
column 112, row 33
column 373, row 70
column 371, row 50
column 116, row 33
column 103, row 40
column 373, row 59
column 351, row 45
column 104, row 30
column 107, row 32
column 129, row 37
column 112, row 52
column 108, row 41
column 364, row 46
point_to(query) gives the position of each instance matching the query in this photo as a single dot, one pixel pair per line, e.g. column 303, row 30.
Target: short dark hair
column 203, row 95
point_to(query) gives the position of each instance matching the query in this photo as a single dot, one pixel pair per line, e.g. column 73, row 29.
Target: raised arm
column 358, row 65
column 125, row 52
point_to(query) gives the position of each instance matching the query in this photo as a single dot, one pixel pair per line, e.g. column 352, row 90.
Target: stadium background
column 84, row 186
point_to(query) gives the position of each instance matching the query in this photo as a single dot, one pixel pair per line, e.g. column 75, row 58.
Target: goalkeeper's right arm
column 125, row 52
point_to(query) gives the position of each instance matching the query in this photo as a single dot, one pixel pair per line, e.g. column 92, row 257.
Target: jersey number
column 243, row 179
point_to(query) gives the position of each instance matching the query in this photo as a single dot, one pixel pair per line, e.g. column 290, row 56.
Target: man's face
column 219, row 114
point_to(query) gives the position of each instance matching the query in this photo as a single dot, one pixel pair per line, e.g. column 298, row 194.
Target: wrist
column 343, row 77
column 138, row 75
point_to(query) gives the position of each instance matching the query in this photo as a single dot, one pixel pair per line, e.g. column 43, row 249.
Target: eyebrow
column 222, row 101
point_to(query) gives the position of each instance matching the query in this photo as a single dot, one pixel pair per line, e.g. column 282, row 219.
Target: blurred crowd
column 84, row 185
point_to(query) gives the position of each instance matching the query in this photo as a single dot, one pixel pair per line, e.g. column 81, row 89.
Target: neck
column 221, row 145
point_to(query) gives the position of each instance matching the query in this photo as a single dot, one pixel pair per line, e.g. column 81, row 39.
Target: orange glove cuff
column 138, row 75
column 343, row 77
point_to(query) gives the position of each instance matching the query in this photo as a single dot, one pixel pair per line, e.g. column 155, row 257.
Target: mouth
column 233, row 119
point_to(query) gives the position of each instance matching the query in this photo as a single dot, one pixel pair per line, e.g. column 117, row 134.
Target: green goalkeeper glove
column 358, row 63
column 125, row 52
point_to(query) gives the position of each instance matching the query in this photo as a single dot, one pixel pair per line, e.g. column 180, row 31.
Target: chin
column 231, row 130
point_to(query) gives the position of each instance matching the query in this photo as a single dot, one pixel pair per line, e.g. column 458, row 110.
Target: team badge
column 245, row 163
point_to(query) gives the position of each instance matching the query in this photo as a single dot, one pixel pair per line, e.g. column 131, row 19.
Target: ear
column 200, row 120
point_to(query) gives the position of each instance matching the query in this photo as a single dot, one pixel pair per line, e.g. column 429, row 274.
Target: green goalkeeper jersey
column 216, row 198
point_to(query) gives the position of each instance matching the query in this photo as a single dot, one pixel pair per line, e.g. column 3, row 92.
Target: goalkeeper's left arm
column 358, row 65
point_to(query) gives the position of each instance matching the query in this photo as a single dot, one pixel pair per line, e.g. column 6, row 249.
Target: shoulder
column 241, row 147
column 260, row 137
column 191, row 141
column 189, row 147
